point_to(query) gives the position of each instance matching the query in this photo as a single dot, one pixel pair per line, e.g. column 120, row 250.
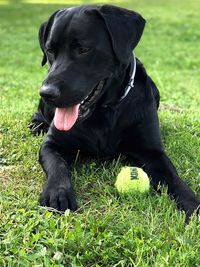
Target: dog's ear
column 43, row 34
column 42, row 40
column 125, row 28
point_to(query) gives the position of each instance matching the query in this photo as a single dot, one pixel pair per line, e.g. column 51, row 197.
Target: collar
column 130, row 84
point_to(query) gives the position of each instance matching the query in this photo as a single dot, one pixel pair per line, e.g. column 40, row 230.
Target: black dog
column 98, row 99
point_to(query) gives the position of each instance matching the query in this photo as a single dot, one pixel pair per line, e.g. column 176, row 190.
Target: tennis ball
column 132, row 180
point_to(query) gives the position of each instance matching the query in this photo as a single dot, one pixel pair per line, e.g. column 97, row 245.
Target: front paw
column 37, row 128
column 39, row 124
column 59, row 198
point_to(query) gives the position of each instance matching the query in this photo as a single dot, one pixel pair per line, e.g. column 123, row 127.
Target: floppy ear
column 125, row 28
column 43, row 34
column 42, row 40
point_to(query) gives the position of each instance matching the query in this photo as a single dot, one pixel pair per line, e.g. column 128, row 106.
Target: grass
column 107, row 230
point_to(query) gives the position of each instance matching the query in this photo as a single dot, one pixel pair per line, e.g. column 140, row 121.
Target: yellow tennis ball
column 132, row 180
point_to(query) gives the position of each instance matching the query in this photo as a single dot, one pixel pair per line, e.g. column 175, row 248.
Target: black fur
column 112, row 127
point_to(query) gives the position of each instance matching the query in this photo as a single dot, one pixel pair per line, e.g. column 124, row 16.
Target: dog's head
column 84, row 46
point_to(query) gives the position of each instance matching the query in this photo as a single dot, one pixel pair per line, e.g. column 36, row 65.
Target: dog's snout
column 49, row 92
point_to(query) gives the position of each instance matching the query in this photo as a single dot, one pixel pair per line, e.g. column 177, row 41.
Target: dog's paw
column 59, row 198
column 39, row 124
column 37, row 128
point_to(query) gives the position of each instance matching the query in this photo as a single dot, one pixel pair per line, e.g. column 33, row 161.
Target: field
column 107, row 230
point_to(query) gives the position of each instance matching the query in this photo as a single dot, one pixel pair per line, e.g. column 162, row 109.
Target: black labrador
column 98, row 99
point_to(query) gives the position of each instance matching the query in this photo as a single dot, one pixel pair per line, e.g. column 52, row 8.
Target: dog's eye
column 49, row 51
column 84, row 50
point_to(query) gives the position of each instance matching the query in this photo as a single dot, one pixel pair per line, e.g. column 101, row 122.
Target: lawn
column 107, row 230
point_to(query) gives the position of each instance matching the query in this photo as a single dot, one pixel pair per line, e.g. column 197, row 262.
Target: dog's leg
column 149, row 153
column 161, row 170
column 58, row 192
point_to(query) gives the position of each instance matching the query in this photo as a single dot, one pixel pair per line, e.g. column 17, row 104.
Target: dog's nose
column 49, row 92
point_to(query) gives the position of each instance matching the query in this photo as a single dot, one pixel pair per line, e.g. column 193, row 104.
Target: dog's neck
column 130, row 84
column 121, row 85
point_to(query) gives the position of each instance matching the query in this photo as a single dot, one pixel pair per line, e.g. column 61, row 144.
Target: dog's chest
column 99, row 135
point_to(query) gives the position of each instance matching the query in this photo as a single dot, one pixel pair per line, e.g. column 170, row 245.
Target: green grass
column 106, row 230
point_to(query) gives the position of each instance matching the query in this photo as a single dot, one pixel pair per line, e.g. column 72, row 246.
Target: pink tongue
column 65, row 118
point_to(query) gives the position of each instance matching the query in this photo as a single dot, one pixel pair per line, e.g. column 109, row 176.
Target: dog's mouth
column 65, row 118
